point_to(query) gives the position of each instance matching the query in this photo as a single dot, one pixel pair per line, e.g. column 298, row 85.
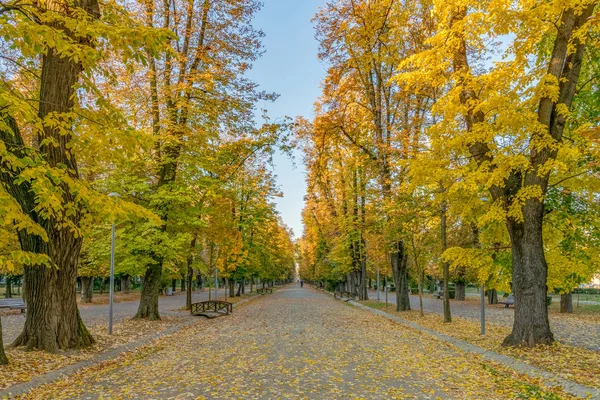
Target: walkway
column 296, row 343
column 93, row 315
column 567, row 329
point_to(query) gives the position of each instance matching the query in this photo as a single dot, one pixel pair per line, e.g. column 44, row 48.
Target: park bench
column 345, row 296
column 264, row 290
column 212, row 308
column 510, row 300
column 13, row 304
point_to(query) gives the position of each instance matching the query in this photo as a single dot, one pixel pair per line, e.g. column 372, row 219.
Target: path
column 296, row 343
column 573, row 331
column 94, row 315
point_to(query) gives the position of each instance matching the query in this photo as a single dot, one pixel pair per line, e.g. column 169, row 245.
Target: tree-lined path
column 296, row 343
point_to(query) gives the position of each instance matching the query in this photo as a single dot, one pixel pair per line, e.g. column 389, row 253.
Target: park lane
column 296, row 343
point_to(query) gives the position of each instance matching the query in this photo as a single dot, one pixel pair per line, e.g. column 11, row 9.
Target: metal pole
column 111, row 291
column 483, row 309
column 217, row 275
column 378, row 283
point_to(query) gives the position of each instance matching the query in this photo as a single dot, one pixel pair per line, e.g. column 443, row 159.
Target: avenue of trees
column 456, row 140
column 148, row 99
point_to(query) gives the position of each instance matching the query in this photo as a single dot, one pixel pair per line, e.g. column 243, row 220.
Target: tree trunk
column 148, row 308
column 190, row 278
column 530, row 271
column 182, row 282
column 566, row 303
column 8, row 292
column 174, row 285
column 231, row 284
column 199, row 283
column 87, row 289
column 239, row 291
column 102, row 284
column 400, row 271
column 126, row 284
column 445, row 265
column 460, row 293
column 492, row 296
column 3, row 358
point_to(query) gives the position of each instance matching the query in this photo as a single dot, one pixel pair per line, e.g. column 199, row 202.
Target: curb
column 550, row 379
column 52, row 376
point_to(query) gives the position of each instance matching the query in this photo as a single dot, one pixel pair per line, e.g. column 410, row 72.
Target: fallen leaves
column 24, row 365
column 299, row 345
column 577, row 364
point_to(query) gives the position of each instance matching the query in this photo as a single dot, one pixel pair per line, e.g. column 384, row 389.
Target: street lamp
column 112, row 270
column 217, row 276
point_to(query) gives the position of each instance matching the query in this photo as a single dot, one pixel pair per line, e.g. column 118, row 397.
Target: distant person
column 301, row 283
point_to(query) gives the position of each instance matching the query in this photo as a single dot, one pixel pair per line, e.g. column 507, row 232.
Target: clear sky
column 289, row 67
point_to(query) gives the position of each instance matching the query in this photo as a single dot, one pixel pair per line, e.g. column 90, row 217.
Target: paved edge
column 52, row 376
column 551, row 380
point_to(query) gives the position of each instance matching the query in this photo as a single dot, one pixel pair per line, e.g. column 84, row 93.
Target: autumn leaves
column 470, row 113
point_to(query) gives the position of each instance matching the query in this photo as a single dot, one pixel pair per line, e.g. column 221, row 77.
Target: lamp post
column 112, row 271
column 378, row 283
column 217, row 276
column 483, row 309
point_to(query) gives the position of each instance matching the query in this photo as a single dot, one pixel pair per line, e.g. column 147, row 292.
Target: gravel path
column 296, row 343
column 94, row 315
column 569, row 330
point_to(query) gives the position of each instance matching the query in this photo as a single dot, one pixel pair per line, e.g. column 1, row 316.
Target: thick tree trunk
column 182, row 282
column 87, row 289
column 174, row 285
column 126, row 284
column 3, row 358
column 102, row 285
column 530, row 271
column 400, row 270
column 188, row 295
column 239, row 291
column 460, row 292
column 492, row 296
column 8, row 292
column 231, row 284
column 566, row 303
column 148, row 308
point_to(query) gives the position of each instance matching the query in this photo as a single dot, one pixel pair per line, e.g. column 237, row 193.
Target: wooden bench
column 13, row 304
column 212, row 308
column 345, row 296
column 264, row 290
column 510, row 300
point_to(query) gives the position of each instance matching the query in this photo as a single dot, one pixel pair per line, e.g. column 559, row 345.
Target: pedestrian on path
column 301, row 283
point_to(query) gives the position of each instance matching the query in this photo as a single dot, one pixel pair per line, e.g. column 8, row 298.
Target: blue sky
column 289, row 67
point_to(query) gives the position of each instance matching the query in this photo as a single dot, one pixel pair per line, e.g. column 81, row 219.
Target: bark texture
column 87, row 289
column 8, row 290
column 566, row 303
column 399, row 260
column 3, row 358
column 148, row 308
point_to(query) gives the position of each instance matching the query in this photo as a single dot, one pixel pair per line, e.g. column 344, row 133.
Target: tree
column 511, row 105
column 52, row 320
column 3, row 358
